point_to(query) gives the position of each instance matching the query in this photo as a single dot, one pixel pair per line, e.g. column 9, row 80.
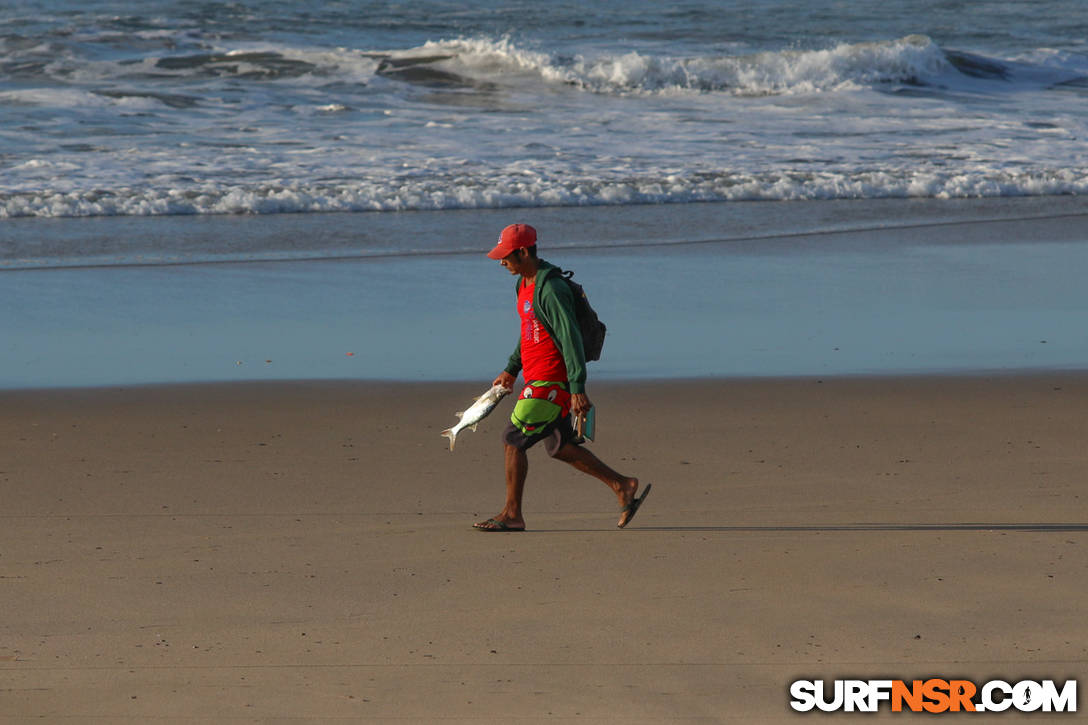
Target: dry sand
column 303, row 552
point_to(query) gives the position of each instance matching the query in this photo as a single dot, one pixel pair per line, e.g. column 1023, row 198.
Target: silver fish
column 480, row 409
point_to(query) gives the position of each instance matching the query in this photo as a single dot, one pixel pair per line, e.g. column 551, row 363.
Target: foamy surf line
column 27, row 244
column 508, row 189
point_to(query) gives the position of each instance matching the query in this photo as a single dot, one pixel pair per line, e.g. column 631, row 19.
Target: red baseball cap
column 514, row 237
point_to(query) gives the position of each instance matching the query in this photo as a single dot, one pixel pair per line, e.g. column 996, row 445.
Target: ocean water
column 164, row 107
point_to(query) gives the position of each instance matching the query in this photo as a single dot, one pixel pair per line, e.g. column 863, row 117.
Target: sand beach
column 302, row 552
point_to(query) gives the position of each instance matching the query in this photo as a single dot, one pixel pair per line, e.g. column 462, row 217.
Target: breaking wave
column 913, row 60
column 476, row 62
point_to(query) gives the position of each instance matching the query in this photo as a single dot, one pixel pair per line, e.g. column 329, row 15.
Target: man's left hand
column 580, row 403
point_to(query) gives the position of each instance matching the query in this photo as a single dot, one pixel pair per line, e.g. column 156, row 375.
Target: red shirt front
column 540, row 356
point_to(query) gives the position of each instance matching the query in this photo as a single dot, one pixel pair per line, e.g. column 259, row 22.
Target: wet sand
column 687, row 290
column 302, row 552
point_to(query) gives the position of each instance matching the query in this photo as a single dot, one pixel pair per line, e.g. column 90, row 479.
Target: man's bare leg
column 517, row 469
column 586, row 462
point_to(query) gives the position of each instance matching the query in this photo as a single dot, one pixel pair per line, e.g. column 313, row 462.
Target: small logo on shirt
column 528, row 305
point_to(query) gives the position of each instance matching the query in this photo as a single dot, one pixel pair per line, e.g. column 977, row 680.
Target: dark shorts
column 555, row 435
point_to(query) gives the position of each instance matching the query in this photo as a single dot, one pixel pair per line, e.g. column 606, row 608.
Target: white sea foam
column 510, row 193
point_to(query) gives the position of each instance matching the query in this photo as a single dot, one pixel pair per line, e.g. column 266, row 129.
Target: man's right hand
column 505, row 380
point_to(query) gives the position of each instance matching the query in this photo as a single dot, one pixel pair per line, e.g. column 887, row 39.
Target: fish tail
column 449, row 433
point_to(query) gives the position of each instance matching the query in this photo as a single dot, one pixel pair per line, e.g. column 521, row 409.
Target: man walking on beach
column 550, row 356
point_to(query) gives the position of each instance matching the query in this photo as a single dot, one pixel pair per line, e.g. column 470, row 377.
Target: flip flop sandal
column 496, row 525
column 632, row 508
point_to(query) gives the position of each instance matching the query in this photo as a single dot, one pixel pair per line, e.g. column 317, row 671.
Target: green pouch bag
column 539, row 404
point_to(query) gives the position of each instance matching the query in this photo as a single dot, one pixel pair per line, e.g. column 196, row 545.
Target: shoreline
column 610, row 382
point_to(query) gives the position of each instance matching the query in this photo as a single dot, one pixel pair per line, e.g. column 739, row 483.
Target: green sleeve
column 513, row 365
column 558, row 304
